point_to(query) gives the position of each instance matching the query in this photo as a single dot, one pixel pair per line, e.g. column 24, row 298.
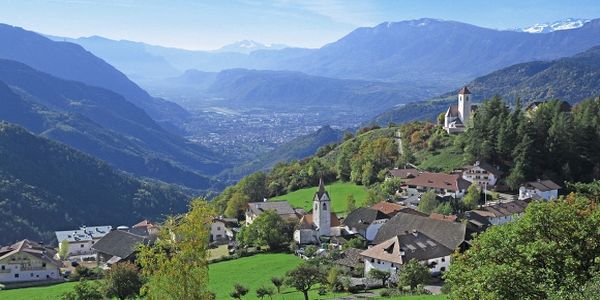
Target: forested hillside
column 47, row 186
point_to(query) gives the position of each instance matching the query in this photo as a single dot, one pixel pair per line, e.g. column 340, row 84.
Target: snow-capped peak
column 566, row 24
column 247, row 46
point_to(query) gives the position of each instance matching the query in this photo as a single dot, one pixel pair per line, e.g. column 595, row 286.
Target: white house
column 541, row 189
column 365, row 221
column 458, row 116
column 322, row 222
column 82, row 239
column 443, row 184
column 390, row 255
column 28, row 261
column 482, row 174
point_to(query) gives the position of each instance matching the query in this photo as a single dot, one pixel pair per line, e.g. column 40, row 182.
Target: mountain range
column 47, row 186
column 571, row 79
column 427, row 51
column 566, row 24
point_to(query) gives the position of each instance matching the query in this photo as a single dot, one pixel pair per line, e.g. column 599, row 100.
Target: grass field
column 37, row 293
column 338, row 192
column 446, row 160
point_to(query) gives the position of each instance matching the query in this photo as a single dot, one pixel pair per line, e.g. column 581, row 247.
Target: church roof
column 452, row 111
column 307, row 221
column 464, row 91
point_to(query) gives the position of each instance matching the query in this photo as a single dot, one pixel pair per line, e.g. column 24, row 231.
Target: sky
column 205, row 25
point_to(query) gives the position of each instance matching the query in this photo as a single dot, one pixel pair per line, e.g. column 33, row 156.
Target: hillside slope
column 102, row 123
column 47, row 186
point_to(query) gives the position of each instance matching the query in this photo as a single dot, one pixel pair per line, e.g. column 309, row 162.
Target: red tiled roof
column 450, row 218
column 307, row 221
column 453, row 182
column 388, row 207
column 404, row 173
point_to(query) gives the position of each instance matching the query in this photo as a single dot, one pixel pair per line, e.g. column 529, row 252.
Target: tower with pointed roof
column 322, row 210
column 458, row 116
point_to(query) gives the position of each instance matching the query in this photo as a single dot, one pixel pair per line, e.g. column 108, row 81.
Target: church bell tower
column 322, row 210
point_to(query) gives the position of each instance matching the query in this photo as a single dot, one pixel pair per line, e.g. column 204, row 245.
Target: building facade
column 28, row 261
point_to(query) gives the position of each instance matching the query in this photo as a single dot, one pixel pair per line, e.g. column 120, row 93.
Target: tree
column 262, row 292
column 444, row 209
column 176, row 265
column 304, row 277
column 333, row 279
column 356, row 242
column 239, row 291
column 277, row 282
column 471, row 199
column 84, row 290
column 552, row 249
column 428, row 202
column 268, row 229
column 64, row 250
column 122, row 281
column 412, row 274
column 236, row 205
column 350, row 203
column 380, row 275
column 390, row 186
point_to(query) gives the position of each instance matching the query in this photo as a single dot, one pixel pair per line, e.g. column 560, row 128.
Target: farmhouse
column 496, row 214
column 81, row 240
column 458, row 116
column 541, row 189
column 443, row 184
column 391, row 209
column 403, row 173
column 222, row 230
column 282, row 208
column 365, row 222
column 391, row 254
column 482, row 174
column 28, row 261
column 119, row 245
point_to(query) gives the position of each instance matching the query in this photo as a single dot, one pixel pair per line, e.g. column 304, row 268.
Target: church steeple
column 322, row 210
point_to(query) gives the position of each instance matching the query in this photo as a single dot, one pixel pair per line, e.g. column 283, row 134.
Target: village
column 374, row 242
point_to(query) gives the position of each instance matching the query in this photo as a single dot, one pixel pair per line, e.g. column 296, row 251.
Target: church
column 458, row 116
column 321, row 223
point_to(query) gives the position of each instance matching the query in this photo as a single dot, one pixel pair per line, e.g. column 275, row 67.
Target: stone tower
column 464, row 105
column 322, row 210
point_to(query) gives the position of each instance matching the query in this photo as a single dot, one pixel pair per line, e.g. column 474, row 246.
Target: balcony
column 5, row 271
column 32, row 268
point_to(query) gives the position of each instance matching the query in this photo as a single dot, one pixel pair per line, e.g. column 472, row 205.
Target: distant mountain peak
column 565, row 24
column 247, row 46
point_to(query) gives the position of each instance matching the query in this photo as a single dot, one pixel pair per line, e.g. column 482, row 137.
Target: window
column 218, row 227
column 81, row 246
column 324, row 206
column 443, row 269
column 372, row 260
column 16, row 275
column 43, row 265
column 443, row 259
column 3, row 268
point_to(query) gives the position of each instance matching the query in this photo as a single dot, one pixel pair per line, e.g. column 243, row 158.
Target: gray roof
column 350, row 258
column 280, row 207
column 402, row 248
column 119, row 243
column 543, row 185
column 501, row 209
column 362, row 217
column 449, row 234
column 83, row 234
column 486, row 166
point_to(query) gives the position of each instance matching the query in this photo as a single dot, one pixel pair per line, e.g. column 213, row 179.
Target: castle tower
column 322, row 210
column 464, row 105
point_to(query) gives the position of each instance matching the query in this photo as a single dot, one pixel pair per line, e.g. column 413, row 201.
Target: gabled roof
column 280, row 207
column 350, row 258
column 145, row 224
column 404, row 247
column 83, row 234
column 43, row 253
column 404, row 173
column 119, row 243
column 450, row 234
column 543, row 185
column 502, row 209
column 453, row 182
column 452, row 111
column 306, row 222
column 388, row 208
column 487, row 167
column 362, row 217
column 464, row 91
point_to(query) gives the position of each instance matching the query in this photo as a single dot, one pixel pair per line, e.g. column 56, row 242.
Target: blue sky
column 312, row 23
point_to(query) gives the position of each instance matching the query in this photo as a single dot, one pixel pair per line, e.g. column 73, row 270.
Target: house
column 351, row 259
column 482, row 174
column 403, row 173
column 118, row 246
column 458, row 116
column 223, row 229
column 365, row 221
column 443, row 184
column 322, row 222
column 391, row 254
column 281, row 207
column 496, row 214
column 81, row 240
column 28, row 261
column 450, row 234
column 541, row 189
column 150, row 227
